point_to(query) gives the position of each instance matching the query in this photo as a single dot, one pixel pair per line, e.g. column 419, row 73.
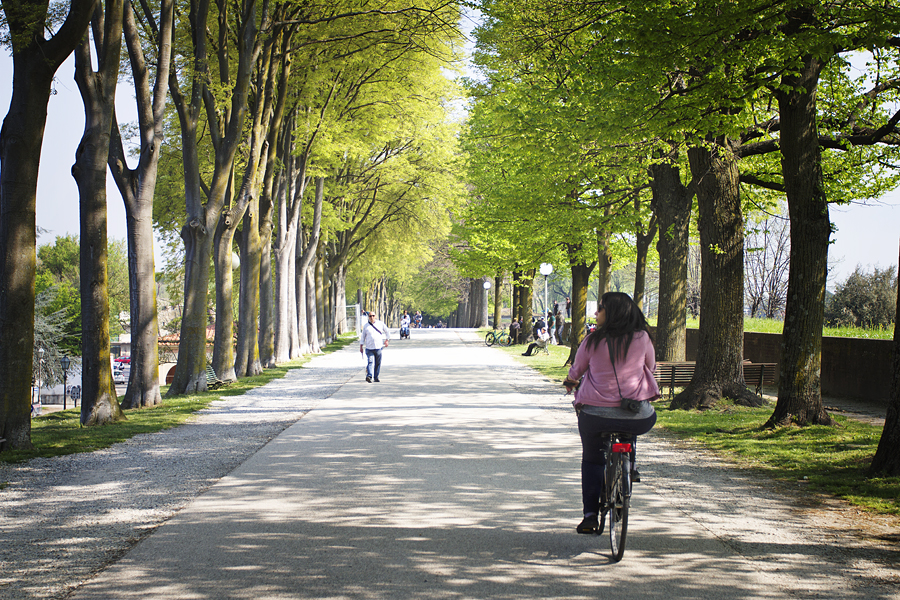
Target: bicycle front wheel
column 504, row 339
column 618, row 504
column 490, row 338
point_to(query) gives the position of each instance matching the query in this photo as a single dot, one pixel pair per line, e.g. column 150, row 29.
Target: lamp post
column 546, row 269
column 64, row 363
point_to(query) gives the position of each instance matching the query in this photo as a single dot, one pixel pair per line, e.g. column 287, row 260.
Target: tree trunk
column 799, row 384
column 223, row 348
column 526, row 290
column 604, row 259
column 289, row 203
column 137, row 188
column 99, row 402
column 672, row 205
column 247, row 360
column 640, row 270
column 35, row 61
column 338, row 317
column 266, row 292
column 498, row 301
column 204, row 219
column 516, row 302
column 581, row 276
column 197, row 235
column 462, row 308
column 266, row 340
column 719, row 372
column 143, row 379
column 306, row 254
column 312, row 316
column 886, row 462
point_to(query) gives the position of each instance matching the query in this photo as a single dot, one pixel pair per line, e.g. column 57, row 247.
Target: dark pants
column 373, row 367
column 532, row 349
column 594, row 432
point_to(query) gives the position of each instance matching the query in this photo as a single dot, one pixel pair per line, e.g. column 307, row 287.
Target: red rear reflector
column 621, row 447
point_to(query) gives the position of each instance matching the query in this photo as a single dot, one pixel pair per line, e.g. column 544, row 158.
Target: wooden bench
column 212, row 381
column 760, row 374
column 674, row 374
column 679, row 374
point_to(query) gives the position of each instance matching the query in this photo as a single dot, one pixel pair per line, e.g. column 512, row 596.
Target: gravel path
column 64, row 519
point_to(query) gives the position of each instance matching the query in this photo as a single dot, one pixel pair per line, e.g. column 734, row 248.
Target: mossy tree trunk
column 581, row 276
column 719, row 373
column 498, row 301
column 99, row 402
column 137, row 187
column 35, row 62
column 799, row 381
column 526, row 296
column 671, row 204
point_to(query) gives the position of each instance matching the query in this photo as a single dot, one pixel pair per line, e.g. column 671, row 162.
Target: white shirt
column 374, row 334
column 404, row 322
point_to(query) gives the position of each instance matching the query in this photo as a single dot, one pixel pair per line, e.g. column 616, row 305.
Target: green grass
column 831, row 460
column 827, row 460
column 60, row 433
column 776, row 326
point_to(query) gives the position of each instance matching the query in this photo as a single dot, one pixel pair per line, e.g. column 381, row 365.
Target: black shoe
column 635, row 476
column 377, row 380
column 368, row 379
column 590, row 524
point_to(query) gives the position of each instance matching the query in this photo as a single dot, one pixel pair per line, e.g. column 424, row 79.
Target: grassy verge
column 776, row 326
column 829, row 460
column 60, row 433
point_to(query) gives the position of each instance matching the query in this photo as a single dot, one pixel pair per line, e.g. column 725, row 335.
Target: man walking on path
column 374, row 338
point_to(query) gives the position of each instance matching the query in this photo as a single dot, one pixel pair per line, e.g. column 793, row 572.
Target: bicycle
column 497, row 337
column 618, row 490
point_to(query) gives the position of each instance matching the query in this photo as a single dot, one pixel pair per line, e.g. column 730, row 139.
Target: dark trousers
column 594, row 433
column 373, row 367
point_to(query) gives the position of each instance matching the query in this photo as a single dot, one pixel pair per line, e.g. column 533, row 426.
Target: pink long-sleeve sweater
column 635, row 373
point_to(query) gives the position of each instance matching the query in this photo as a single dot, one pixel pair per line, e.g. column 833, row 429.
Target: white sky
column 868, row 236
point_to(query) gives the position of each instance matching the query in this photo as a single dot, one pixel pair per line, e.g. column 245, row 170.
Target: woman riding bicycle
column 623, row 334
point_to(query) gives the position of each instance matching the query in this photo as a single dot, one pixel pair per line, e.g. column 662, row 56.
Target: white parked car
column 120, row 376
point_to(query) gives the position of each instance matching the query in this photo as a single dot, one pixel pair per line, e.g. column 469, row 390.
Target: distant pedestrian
column 374, row 339
column 514, row 328
column 568, row 308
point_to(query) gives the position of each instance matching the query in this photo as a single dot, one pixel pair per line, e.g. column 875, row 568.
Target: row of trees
column 311, row 138
column 596, row 118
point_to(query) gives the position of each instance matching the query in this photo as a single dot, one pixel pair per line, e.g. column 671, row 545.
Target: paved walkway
column 457, row 477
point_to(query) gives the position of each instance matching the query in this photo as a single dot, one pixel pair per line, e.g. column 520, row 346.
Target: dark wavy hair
column 623, row 319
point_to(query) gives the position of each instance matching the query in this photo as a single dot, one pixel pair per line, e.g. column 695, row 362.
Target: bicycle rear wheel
column 504, row 339
column 490, row 338
column 619, row 502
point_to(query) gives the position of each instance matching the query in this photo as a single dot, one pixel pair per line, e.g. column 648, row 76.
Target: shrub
column 866, row 300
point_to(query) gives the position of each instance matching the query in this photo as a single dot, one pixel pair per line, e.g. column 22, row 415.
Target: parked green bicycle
column 497, row 337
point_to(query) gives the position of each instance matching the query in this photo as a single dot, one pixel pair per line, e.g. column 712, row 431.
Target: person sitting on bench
column 543, row 338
